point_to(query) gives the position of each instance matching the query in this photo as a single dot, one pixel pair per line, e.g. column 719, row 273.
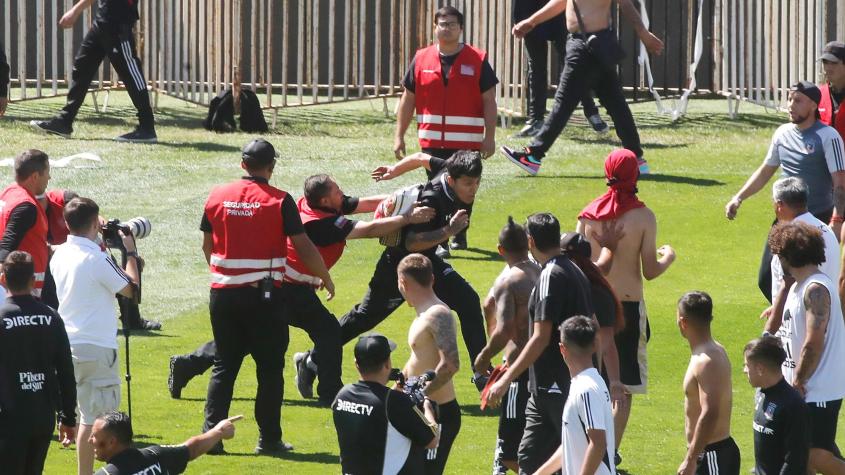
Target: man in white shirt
column 588, row 442
column 86, row 283
column 813, row 335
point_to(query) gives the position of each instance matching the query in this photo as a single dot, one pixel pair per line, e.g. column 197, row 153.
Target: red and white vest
column 297, row 272
column 55, row 217
column 826, row 111
column 247, row 232
column 35, row 240
column 449, row 116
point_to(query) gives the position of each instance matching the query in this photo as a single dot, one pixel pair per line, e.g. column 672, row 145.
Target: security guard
column 246, row 226
column 110, row 35
column 36, row 373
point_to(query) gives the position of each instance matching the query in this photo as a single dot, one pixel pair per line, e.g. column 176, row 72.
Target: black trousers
column 581, row 72
column 449, row 418
column 543, row 420
column 118, row 43
column 537, row 49
column 24, row 454
column 306, row 311
column 243, row 324
column 383, row 297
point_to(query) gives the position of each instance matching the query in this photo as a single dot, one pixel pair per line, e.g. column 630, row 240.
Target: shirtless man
column 636, row 256
column 707, row 389
column 434, row 345
column 506, row 309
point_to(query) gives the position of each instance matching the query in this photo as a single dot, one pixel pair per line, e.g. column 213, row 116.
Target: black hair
column 464, row 163
column 544, row 228
column 799, row 244
column 578, row 331
column 18, row 269
column 79, row 212
column 696, row 306
column 119, row 425
column 512, row 237
column 449, row 11
column 316, row 188
column 766, row 350
column 29, row 162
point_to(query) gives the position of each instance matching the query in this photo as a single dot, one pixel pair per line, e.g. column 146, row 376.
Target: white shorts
column 97, row 381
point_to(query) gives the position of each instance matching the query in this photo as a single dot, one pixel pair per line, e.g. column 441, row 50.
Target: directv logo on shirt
column 353, row 407
column 151, row 470
column 27, row 321
column 31, row 381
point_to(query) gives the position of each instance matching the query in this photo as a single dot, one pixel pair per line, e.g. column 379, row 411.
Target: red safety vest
column 297, row 272
column 449, row 116
column 826, row 111
column 247, row 232
column 56, row 224
column 35, row 240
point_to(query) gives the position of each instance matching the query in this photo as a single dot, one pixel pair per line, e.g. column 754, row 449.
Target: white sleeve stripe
column 837, row 152
column 119, row 271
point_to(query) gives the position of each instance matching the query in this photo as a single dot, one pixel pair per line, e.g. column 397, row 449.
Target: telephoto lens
column 140, row 227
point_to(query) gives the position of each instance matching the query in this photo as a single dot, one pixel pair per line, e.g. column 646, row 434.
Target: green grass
column 698, row 162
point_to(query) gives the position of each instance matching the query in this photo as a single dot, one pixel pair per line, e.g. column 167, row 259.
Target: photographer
column 86, row 281
column 380, row 430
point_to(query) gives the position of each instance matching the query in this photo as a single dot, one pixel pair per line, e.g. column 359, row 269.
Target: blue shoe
column 643, row 165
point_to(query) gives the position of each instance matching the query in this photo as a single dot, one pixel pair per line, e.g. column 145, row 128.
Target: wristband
column 837, row 219
column 132, row 254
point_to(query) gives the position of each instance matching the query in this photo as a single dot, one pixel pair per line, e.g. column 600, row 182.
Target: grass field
column 698, row 163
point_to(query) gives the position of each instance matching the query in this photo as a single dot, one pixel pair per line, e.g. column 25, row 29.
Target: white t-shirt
column 831, row 265
column 827, row 383
column 587, row 407
column 86, row 283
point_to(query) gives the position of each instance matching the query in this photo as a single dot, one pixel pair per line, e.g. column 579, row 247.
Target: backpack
column 399, row 202
column 221, row 113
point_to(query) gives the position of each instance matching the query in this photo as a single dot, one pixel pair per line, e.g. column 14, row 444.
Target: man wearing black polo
column 110, row 35
column 246, row 225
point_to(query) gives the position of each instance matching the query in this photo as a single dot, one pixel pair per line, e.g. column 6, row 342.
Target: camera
column 139, row 227
column 414, row 386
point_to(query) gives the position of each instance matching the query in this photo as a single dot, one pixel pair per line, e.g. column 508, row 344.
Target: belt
column 584, row 36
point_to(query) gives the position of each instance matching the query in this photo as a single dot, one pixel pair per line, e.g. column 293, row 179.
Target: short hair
column 18, row 269
column 791, row 191
column 799, row 244
column 119, row 425
column 544, row 228
column 79, row 212
column 578, row 331
column 464, row 163
column 418, row 268
column 766, row 350
column 696, row 306
column 316, row 188
column 512, row 237
column 29, row 162
column 449, row 11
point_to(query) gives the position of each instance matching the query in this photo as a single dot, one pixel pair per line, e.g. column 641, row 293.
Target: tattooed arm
column 442, row 328
column 817, row 308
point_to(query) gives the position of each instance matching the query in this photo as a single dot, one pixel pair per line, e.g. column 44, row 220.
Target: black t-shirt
column 562, row 291
column 604, row 305
column 439, row 196
column 781, row 441
column 157, row 459
column 36, row 369
column 333, row 229
column 379, row 430
column 116, row 12
column 487, row 80
column 290, row 214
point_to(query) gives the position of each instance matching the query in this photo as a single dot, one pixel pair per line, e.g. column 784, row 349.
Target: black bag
column 221, row 113
column 252, row 117
column 604, row 46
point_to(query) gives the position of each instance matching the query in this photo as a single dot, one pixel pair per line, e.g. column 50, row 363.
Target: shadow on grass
column 317, row 457
column 146, row 333
column 483, row 255
column 611, row 140
column 475, row 410
column 683, row 180
column 202, row 399
column 304, row 403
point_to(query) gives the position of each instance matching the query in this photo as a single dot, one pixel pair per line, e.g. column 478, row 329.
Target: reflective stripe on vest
column 217, row 278
column 292, row 276
column 218, row 261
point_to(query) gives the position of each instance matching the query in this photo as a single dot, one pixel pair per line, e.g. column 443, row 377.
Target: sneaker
column 147, row 325
column 178, row 377
column 217, row 449
column 443, row 252
column 598, row 124
column 459, row 242
column 304, row 376
column 275, row 448
column 643, row 165
column 138, row 135
column 532, row 128
column 480, row 380
column 54, row 126
column 524, row 159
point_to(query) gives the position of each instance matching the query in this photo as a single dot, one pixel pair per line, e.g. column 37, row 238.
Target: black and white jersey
column 379, row 431
column 154, row 460
column 781, row 442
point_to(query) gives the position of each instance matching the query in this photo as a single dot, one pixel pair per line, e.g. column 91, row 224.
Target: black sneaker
column 147, row 325
column 524, row 159
column 138, row 135
column 178, row 377
column 598, row 124
column 279, row 447
column 459, row 242
column 443, row 252
column 54, row 126
column 532, row 128
column 304, row 376
column 217, row 449
column 480, row 380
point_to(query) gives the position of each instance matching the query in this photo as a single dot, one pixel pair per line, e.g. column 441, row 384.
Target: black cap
column 373, row 349
column 575, row 243
column 808, row 89
column 259, row 152
column 834, row 52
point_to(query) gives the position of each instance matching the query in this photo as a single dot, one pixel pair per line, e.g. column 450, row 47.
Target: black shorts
column 449, row 420
column 511, row 422
column 24, row 454
column 631, row 345
column 821, row 424
column 719, row 458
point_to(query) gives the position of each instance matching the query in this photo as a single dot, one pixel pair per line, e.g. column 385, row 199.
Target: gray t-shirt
column 813, row 155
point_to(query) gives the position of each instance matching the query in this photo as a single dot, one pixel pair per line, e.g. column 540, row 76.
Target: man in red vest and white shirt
column 246, row 225
column 452, row 88
column 833, row 91
column 23, row 224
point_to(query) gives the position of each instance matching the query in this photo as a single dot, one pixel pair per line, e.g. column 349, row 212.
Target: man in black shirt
column 562, row 291
column 448, row 194
column 110, row 35
column 4, row 81
column 781, row 443
column 380, row 430
column 112, row 441
column 36, row 373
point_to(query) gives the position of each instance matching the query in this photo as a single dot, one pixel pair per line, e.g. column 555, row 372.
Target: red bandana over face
column 622, row 171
